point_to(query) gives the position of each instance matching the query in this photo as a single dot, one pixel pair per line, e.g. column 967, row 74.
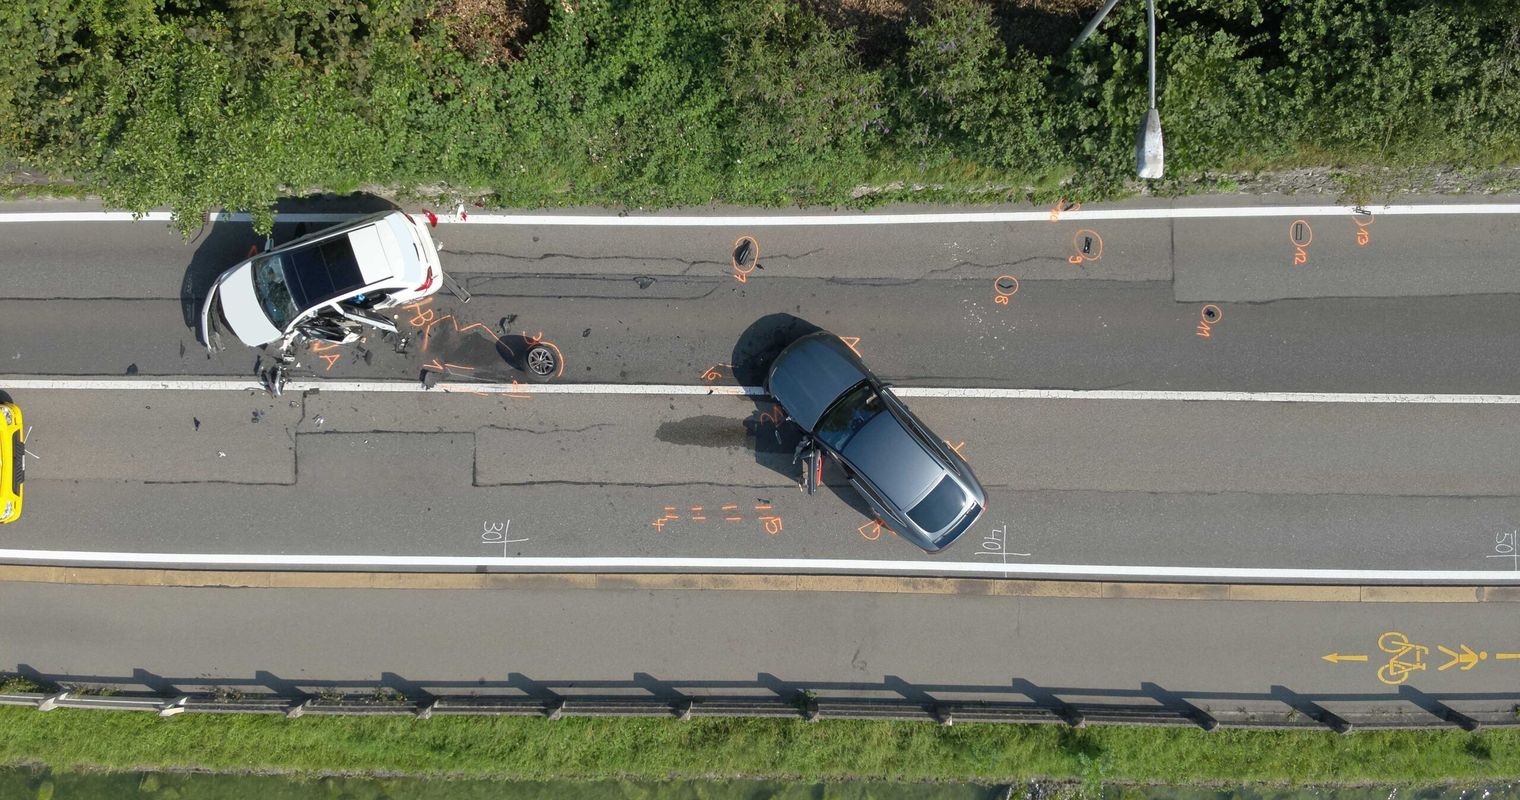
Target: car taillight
column 427, row 283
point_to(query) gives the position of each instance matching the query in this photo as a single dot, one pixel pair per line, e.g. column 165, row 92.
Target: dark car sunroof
column 321, row 272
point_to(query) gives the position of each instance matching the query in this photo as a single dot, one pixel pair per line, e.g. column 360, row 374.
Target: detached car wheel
column 541, row 363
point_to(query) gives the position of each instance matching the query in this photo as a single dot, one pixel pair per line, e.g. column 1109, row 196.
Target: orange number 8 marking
column 1003, row 288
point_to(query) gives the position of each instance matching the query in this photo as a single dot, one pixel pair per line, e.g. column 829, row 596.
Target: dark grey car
column 916, row 483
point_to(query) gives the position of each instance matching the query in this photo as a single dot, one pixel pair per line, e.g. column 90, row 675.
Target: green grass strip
column 536, row 749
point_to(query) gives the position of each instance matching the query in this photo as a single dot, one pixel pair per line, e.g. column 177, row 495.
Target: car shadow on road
column 218, row 246
column 775, row 437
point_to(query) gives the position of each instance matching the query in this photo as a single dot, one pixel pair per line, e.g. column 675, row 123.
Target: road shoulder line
column 463, row 217
column 865, row 584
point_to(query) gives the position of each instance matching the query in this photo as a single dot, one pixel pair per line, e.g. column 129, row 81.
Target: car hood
column 240, row 307
column 893, row 460
column 810, row 374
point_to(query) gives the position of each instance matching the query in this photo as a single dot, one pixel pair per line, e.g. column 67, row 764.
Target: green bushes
column 808, row 117
column 663, row 102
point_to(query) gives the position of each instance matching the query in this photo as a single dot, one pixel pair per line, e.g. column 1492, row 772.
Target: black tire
column 541, row 363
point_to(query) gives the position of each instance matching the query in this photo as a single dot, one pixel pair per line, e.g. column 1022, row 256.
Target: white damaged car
column 322, row 283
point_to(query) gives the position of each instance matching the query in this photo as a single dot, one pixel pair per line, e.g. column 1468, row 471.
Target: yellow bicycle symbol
column 1399, row 665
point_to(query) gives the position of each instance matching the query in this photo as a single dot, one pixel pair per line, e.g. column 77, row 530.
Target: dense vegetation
column 198, row 104
column 534, row 748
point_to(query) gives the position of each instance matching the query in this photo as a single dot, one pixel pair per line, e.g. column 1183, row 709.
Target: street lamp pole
column 1149, row 160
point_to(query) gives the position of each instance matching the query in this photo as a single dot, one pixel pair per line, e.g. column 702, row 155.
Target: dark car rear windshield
column 321, row 272
column 940, row 507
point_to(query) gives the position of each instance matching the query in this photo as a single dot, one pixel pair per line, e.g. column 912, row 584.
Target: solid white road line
column 822, row 219
column 409, row 387
column 777, row 565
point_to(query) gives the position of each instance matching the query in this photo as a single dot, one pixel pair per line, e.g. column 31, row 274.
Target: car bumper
column 209, row 331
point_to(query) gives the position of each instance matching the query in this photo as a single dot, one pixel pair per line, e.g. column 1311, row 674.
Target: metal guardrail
column 1422, row 711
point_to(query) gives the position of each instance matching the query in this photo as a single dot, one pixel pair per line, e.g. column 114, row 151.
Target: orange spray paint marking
column 1363, row 236
column 1088, row 244
column 322, row 348
column 1061, row 208
column 746, row 256
column 422, row 316
column 876, row 526
column 851, row 341
column 426, row 319
column 734, row 519
column 715, row 371
column 955, row 447
column 1003, row 288
column 762, row 508
column 774, row 417
column 516, row 387
column 1300, row 234
column 1207, row 319
column 772, row 524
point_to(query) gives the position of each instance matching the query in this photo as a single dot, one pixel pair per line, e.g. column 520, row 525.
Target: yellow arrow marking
column 1336, row 658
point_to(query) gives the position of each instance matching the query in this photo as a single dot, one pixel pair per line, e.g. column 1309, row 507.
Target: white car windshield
column 273, row 292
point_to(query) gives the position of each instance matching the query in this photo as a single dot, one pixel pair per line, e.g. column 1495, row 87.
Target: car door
column 872, row 497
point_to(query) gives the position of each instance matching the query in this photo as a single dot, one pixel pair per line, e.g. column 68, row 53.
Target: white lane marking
column 409, row 387
column 786, row 565
column 813, row 220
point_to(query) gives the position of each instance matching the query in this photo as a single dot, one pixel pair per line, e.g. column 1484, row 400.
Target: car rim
column 541, row 361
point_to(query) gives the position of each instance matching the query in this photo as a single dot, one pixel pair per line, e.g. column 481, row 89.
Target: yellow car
column 12, row 462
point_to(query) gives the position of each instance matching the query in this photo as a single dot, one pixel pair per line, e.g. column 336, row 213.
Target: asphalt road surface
column 1416, row 485
column 1264, row 658
column 1132, row 482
